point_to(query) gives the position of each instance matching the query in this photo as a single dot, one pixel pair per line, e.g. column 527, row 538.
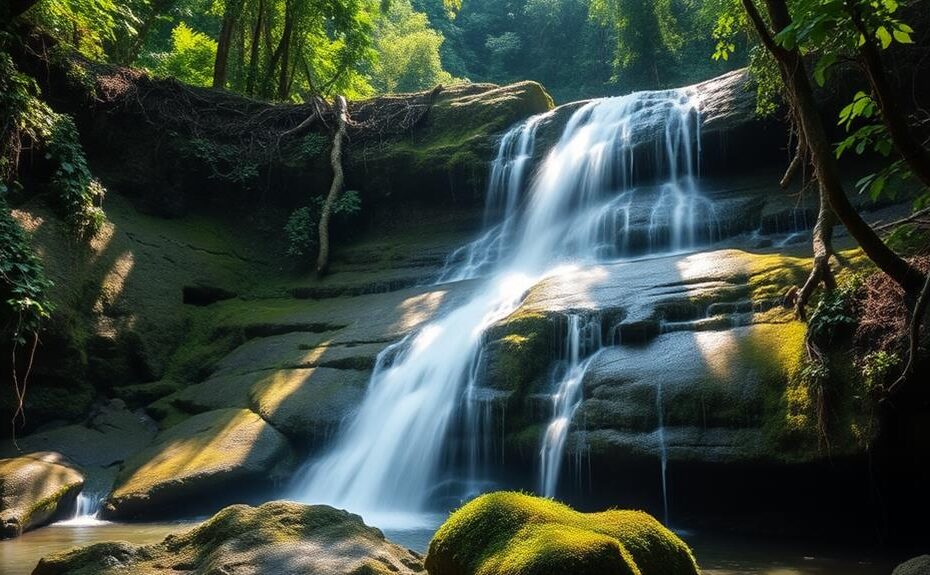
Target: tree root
column 920, row 309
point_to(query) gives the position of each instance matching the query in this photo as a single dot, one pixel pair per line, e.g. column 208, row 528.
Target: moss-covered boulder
column 34, row 489
column 206, row 458
column 518, row 350
column 510, row 533
column 277, row 537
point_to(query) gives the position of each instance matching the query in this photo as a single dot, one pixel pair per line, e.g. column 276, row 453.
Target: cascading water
column 86, row 510
column 385, row 462
column 582, row 340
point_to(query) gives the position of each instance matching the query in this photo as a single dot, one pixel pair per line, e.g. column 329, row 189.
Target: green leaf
column 902, row 37
column 883, row 36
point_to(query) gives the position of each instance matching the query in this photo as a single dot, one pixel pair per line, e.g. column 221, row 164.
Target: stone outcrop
column 35, row 489
column 706, row 330
column 277, row 537
column 201, row 460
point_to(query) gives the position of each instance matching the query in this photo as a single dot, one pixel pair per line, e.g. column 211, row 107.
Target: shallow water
column 19, row 556
column 718, row 555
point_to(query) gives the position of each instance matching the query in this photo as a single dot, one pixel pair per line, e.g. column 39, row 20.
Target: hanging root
column 798, row 164
column 920, row 309
column 822, row 239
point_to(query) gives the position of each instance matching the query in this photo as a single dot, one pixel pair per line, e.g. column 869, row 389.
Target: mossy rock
column 202, row 459
column 34, row 489
column 444, row 160
column 277, row 537
column 519, row 350
column 509, row 533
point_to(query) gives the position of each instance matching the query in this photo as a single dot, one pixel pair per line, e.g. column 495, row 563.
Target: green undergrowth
column 509, row 533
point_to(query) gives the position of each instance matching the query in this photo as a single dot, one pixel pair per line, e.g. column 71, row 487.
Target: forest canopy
column 290, row 50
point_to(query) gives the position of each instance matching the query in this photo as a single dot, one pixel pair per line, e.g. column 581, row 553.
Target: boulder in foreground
column 509, row 533
column 34, row 489
column 277, row 537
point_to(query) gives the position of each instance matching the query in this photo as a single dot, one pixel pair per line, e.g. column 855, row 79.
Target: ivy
column 23, row 285
column 226, row 161
column 79, row 194
column 835, row 315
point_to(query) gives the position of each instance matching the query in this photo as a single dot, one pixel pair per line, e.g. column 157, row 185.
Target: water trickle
column 576, row 206
column 582, row 341
column 663, row 449
column 86, row 510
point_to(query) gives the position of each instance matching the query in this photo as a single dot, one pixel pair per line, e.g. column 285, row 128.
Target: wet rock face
column 200, row 461
column 733, row 136
column 697, row 345
column 34, row 489
column 277, row 537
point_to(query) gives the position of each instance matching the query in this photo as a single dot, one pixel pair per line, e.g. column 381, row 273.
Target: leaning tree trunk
column 801, row 95
column 322, row 261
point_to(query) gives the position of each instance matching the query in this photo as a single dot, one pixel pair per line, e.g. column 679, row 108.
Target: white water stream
column 575, row 207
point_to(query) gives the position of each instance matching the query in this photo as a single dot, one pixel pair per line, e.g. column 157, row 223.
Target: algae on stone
column 508, row 533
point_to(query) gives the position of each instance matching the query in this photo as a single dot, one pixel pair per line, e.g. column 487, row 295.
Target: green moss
column 519, row 350
column 509, row 533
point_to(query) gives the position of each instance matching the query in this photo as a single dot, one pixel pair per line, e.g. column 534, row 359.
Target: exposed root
column 822, row 238
column 920, row 309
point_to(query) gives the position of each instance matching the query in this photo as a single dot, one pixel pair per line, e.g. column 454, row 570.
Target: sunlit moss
column 508, row 533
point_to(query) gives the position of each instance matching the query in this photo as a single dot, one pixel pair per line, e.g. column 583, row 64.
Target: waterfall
column 574, row 206
column 86, row 509
column 582, row 340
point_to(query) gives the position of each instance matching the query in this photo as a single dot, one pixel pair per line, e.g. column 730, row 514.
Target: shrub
column 301, row 227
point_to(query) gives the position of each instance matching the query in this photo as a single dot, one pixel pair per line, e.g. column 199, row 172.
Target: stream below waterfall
column 718, row 555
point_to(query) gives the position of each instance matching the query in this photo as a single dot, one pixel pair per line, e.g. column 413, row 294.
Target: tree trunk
column 158, row 8
column 912, row 151
column 801, row 95
column 253, row 52
column 283, row 82
column 322, row 262
column 280, row 55
column 224, row 43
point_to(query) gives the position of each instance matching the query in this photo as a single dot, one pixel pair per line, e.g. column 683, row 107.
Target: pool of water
column 19, row 556
column 717, row 554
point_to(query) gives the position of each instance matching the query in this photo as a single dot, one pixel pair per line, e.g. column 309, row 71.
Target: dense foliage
column 580, row 48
